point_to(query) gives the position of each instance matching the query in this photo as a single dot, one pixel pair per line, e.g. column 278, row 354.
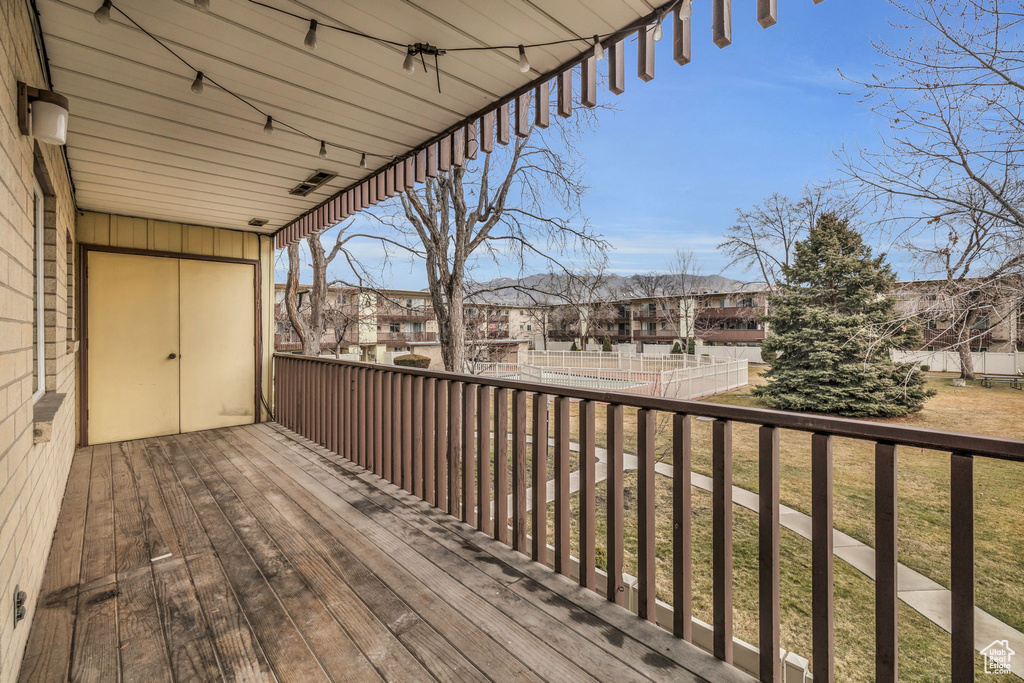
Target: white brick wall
column 32, row 477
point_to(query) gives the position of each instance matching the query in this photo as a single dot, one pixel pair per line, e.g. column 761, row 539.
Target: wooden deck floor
column 248, row 554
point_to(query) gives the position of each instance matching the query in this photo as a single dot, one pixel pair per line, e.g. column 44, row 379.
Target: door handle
column 172, row 356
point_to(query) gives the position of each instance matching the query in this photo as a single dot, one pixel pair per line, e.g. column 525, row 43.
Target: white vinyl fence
column 677, row 376
column 751, row 354
column 987, row 363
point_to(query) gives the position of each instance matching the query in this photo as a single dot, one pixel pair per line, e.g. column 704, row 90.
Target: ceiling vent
column 312, row 182
column 258, row 222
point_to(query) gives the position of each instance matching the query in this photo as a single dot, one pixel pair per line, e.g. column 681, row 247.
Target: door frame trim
column 83, row 319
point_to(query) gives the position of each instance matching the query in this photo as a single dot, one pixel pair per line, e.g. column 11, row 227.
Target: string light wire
column 202, row 78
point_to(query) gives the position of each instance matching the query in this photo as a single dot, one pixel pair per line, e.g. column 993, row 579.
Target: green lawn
column 923, row 486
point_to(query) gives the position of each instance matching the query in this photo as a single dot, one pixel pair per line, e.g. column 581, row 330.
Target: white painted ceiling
column 141, row 143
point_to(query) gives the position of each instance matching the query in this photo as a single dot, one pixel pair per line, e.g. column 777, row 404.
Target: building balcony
column 732, row 335
column 415, row 313
column 401, row 338
column 646, row 315
column 946, row 338
column 485, row 318
column 562, row 335
column 729, row 313
column 655, row 335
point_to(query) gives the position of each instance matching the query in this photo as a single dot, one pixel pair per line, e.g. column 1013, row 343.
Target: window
column 529, row 328
column 39, row 336
column 395, row 328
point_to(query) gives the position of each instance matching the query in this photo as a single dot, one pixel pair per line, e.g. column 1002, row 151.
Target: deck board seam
column 307, row 451
column 368, row 570
column 273, row 540
column 269, row 587
column 426, row 588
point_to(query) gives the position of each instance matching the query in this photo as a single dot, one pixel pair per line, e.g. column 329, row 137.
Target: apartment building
column 374, row 323
column 937, row 307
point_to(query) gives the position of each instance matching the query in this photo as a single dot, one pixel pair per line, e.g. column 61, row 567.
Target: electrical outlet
column 20, row 598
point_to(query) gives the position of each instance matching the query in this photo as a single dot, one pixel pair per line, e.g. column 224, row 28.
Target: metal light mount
column 43, row 114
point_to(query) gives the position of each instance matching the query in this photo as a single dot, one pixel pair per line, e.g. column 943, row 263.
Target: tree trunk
column 451, row 329
column 963, row 350
column 307, row 336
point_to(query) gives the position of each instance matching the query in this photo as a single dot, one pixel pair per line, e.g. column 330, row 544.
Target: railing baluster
column 361, row 403
column 346, row 422
column 379, row 411
column 454, row 446
column 331, row 374
column 721, row 466
column 441, row 444
column 961, row 555
column 387, row 448
column 417, row 437
column 468, row 453
column 646, row 607
column 429, row 417
column 483, row 480
column 519, row 472
column 316, row 405
column 682, row 505
column 588, row 576
column 768, row 553
column 561, row 485
column 823, row 645
column 396, row 428
column 616, row 588
column 501, row 465
column 540, row 478
column 886, row 584
column 407, row 422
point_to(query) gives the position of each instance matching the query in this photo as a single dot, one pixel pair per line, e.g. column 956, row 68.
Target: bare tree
column 684, row 280
column 948, row 171
column 519, row 203
column 312, row 320
column 764, row 236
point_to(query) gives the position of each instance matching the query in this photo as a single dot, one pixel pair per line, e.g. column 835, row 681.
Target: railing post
column 380, row 409
column 561, row 485
column 501, row 465
column 441, row 443
column 961, row 577
column 823, row 645
column 886, row 584
column 396, row 428
column 417, row 437
column 483, row 440
column 540, row 478
column 721, row 467
column 682, row 518
column 519, row 471
column 407, row 432
column 647, row 607
column 429, row 420
column 454, row 445
column 588, row 576
column 387, row 448
column 616, row 589
column 468, row 453
column 768, row 554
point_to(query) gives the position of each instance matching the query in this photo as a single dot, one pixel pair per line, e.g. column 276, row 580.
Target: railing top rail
column 968, row 444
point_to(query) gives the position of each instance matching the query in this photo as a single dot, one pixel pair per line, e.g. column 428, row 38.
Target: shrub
column 606, row 346
column 691, row 346
column 925, row 368
column 411, row 360
column 575, row 347
column 676, row 348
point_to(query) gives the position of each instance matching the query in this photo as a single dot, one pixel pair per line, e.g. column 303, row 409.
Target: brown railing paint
column 435, row 433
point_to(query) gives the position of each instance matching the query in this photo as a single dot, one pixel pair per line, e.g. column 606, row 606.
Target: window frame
column 39, row 288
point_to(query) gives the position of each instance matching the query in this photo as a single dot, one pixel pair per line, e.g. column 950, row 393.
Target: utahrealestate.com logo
column 997, row 657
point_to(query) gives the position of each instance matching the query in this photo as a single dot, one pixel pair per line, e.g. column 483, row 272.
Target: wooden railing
column 431, row 433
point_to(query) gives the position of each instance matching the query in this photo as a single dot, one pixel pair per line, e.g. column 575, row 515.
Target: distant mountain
column 530, row 289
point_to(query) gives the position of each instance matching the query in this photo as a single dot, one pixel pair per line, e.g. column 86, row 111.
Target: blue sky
column 683, row 152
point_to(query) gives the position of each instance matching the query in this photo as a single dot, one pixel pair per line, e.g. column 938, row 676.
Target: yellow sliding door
column 218, row 344
column 132, row 346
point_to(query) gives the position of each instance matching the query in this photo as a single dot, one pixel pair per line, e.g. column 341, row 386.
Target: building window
column 395, row 328
column 39, row 293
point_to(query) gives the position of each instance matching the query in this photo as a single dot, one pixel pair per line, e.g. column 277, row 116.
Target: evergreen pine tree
column 676, row 348
column 606, row 346
column 831, row 322
column 575, row 347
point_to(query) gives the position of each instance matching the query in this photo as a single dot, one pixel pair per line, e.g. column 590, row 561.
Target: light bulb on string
column 310, row 41
column 685, row 10
column 598, row 49
column 268, row 128
column 362, row 161
column 409, row 65
column 102, row 14
column 657, row 27
column 323, row 149
column 524, row 63
column 197, row 85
